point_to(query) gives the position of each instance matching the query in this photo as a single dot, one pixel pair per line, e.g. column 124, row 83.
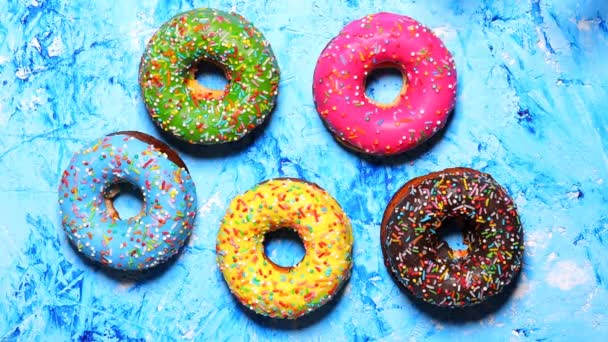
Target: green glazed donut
column 191, row 112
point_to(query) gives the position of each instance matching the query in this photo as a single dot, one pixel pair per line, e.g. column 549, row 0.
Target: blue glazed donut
column 90, row 182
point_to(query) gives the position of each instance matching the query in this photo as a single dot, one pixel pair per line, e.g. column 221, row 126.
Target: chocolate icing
column 161, row 146
column 426, row 265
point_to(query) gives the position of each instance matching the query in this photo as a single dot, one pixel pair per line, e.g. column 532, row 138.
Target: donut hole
column 284, row 247
column 207, row 80
column 453, row 234
column 385, row 84
column 124, row 201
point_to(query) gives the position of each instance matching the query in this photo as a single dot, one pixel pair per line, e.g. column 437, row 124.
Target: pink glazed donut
column 384, row 40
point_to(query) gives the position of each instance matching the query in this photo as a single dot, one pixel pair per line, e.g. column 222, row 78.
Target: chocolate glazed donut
column 425, row 265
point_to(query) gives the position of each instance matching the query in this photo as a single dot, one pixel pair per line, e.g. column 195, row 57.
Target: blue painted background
column 532, row 111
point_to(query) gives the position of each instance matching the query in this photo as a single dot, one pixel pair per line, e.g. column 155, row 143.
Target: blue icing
column 91, row 222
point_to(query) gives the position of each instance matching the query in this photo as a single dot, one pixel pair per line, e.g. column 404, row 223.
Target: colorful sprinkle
column 425, row 264
column 261, row 285
column 379, row 41
column 190, row 111
column 90, row 221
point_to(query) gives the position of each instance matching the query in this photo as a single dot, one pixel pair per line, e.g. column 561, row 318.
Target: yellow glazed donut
column 270, row 289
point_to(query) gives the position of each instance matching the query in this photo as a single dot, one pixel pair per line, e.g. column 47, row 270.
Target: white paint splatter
column 23, row 73
column 508, row 58
column 444, row 32
column 549, row 56
column 188, row 335
column 536, row 240
column 586, row 24
column 574, row 193
column 589, row 299
column 541, row 41
column 126, row 285
column 438, row 325
column 56, row 47
column 40, row 98
column 215, row 200
column 36, row 44
column 520, row 200
column 10, row 248
column 551, row 257
column 523, row 287
column 143, row 28
column 192, row 240
column 493, row 322
column 3, row 116
column 567, row 275
column 374, row 279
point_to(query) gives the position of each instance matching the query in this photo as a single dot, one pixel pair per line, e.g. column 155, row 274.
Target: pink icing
column 422, row 107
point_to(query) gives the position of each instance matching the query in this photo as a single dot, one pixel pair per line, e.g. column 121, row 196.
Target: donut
column 270, row 289
column 90, row 183
column 425, row 265
column 181, row 106
column 384, row 40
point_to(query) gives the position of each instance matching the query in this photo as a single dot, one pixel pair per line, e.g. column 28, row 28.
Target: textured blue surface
column 531, row 111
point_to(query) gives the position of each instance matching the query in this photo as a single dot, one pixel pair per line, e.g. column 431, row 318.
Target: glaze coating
column 188, row 110
column 325, row 230
column 89, row 185
column 425, row 264
column 378, row 41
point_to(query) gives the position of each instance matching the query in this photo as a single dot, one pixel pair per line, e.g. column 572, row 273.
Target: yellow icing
column 272, row 290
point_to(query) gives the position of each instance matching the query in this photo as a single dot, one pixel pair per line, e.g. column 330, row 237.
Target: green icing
column 170, row 91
